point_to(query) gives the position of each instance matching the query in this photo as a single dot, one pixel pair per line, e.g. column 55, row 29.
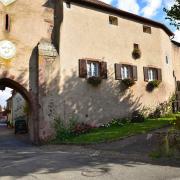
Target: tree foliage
column 173, row 14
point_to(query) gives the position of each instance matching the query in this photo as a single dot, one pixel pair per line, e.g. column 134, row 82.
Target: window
column 136, row 46
column 113, row 20
column 92, row 69
column 147, row 29
column 151, row 74
column 68, row 4
column 7, row 23
column 89, row 68
column 167, row 60
column 125, row 71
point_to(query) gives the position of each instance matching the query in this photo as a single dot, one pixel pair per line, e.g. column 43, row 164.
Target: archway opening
column 16, row 112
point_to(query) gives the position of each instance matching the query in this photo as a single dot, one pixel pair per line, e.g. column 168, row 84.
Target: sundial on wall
column 7, row 2
column 7, row 50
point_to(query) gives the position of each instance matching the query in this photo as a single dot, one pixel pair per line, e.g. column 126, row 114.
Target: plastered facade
column 93, row 37
column 50, row 39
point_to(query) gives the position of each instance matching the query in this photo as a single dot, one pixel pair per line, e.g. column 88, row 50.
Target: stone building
column 51, row 49
column 16, row 108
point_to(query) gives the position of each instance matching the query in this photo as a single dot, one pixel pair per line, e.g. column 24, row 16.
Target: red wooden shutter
column 134, row 72
column 82, row 68
column 118, row 71
column 103, row 70
column 159, row 72
column 146, row 74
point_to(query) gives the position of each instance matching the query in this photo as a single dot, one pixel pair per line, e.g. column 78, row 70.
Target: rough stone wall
column 18, row 106
column 48, row 89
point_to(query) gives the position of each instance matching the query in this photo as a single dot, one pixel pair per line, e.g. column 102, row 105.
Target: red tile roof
column 108, row 8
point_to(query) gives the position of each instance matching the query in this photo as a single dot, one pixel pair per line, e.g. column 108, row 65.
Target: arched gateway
column 9, row 81
column 28, row 57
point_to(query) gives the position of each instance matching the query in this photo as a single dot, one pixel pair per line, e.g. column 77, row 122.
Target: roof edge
column 117, row 11
column 175, row 43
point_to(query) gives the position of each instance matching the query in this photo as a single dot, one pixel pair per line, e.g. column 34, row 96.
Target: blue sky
column 4, row 95
column 152, row 9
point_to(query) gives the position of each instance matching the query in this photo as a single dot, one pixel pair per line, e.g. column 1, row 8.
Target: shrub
column 152, row 85
column 156, row 113
column 116, row 122
column 168, row 143
column 81, row 128
column 72, row 128
column 177, row 123
column 128, row 82
column 163, row 109
column 62, row 131
column 136, row 53
column 137, row 117
column 95, row 81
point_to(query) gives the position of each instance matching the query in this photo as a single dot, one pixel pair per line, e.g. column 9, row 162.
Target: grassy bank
column 116, row 132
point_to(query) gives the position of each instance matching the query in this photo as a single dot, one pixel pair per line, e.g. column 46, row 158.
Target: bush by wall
column 137, row 117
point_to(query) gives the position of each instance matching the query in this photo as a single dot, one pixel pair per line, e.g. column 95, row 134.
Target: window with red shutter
column 152, row 74
column 125, row 71
column 90, row 68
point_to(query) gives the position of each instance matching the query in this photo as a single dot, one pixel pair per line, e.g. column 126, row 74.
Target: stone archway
column 8, row 82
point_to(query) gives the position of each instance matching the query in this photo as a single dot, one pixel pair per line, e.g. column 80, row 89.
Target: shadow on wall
column 94, row 105
column 57, row 6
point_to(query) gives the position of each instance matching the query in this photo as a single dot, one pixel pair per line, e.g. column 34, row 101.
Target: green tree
column 173, row 14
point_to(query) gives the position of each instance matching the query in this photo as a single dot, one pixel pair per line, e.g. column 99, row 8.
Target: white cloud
column 151, row 8
column 168, row 3
column 129, row 5
column 177, row 36
column 4, row 95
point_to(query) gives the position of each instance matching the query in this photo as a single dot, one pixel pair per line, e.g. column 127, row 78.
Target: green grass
column 117, row 132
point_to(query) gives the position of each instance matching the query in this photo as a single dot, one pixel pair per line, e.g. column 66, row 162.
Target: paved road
column 9, row 140
column 113, row 161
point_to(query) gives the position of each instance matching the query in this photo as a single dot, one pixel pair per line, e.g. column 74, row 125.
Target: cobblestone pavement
column 112, row 161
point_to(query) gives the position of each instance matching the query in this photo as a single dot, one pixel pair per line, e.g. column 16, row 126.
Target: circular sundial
column 7, row 49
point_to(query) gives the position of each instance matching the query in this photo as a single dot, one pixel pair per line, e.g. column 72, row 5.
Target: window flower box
column 136, row 53
column 95, row 81
column 128, row 82
column 152, row 85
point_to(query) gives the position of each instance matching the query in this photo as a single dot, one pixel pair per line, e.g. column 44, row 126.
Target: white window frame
column 92, row 69
column 152, row 74
column 126, row 72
